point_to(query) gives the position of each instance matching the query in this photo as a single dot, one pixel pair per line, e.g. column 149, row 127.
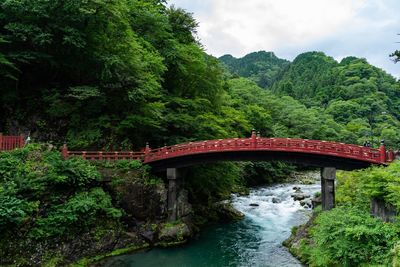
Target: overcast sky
column 340, row 28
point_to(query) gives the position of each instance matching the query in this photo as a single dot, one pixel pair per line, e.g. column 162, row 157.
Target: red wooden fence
column 103, row 155
column 366, row 154
column 8, row 142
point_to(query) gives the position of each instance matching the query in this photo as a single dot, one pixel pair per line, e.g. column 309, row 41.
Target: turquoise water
column 254, row 241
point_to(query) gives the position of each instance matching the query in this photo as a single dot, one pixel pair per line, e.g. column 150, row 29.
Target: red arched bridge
column 329, row 156
column 299, row 151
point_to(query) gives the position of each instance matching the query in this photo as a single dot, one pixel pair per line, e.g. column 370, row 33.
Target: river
column 254, row 241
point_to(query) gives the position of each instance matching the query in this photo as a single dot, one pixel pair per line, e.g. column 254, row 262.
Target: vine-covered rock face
column 54, row 208
column 183, row 207
column 142, row 199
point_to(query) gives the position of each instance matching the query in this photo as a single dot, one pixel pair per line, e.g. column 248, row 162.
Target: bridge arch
column 326, row 155
column 314, row 153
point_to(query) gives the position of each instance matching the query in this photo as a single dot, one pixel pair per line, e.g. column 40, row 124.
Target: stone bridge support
column 328, row 176
column 172, row 176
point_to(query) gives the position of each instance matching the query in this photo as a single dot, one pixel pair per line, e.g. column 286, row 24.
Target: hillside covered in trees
column 118, row 74
column 100, row 74
column 363, row 100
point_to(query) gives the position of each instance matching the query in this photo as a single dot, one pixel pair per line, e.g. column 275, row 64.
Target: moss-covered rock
column 299, row 236
column 170, row 233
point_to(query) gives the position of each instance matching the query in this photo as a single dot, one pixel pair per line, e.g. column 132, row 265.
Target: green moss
column 154, row 226
column 53, row 261
column 87, row 261
column 172, row 224
column 317, row 194
column 171, row 244
column 308, row 181
column 396, row 255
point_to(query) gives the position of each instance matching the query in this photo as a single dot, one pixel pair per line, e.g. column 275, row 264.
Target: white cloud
column 270, row 24
column 364, row 28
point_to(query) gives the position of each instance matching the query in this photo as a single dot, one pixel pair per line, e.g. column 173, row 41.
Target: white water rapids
column 255, row 241
column 273, row 222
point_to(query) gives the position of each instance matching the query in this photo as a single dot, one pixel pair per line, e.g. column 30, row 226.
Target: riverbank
column 220, row 212
column 252, row 241
column 354, row 234
column 65, row 212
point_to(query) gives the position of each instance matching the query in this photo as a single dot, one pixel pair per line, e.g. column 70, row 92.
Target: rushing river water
column 253, row 241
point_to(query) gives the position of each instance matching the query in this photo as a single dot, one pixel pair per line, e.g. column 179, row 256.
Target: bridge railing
column 242, row 144
column 104, row 155
column 8, row 142
column 272, row 144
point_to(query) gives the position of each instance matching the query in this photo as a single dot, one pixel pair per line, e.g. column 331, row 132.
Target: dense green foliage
column 42, row 195
column 262, row 67
column 348, row 235
column 359, row 102
column 363, row 98
column 115, row 74
column 378, row 182
column 106, row 73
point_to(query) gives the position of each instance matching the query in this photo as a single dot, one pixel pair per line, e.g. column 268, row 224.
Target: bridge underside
column 304, row 159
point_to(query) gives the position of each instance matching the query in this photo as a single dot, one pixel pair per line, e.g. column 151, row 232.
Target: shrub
column 79, row 213
column 43, row 195
column 348, row 236
column 74, row 171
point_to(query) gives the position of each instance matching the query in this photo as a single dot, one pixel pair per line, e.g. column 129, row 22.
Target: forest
column 108, row 74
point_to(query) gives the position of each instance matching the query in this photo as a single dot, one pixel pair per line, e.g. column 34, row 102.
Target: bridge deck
column 253, row 148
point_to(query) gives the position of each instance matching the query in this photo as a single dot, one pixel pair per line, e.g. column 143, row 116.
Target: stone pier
column 172, row 176
column 328, row 176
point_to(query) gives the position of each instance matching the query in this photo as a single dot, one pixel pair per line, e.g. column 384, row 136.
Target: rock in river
column 300, row 196
column 276, row 200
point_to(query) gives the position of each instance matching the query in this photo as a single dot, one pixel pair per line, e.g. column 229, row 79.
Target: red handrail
column 103, row 155
column 268, row 144
column 327, row 148
column 9, row 142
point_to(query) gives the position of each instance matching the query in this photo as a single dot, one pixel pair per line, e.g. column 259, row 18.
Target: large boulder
column 316, row 201
column 226, row 212
column 306, row 203
column 276, row 200
column 176, row 232
column 300, row 196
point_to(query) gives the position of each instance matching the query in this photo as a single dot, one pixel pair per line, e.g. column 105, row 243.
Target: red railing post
column 1, row 141
column 21, row 141
column 147, row 151
column 253, row 138
column 382, row 152
column 390, row 155
column 64, row 151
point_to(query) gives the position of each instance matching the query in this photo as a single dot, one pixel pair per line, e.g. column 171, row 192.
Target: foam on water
column 253, row 241
column 274, row 222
